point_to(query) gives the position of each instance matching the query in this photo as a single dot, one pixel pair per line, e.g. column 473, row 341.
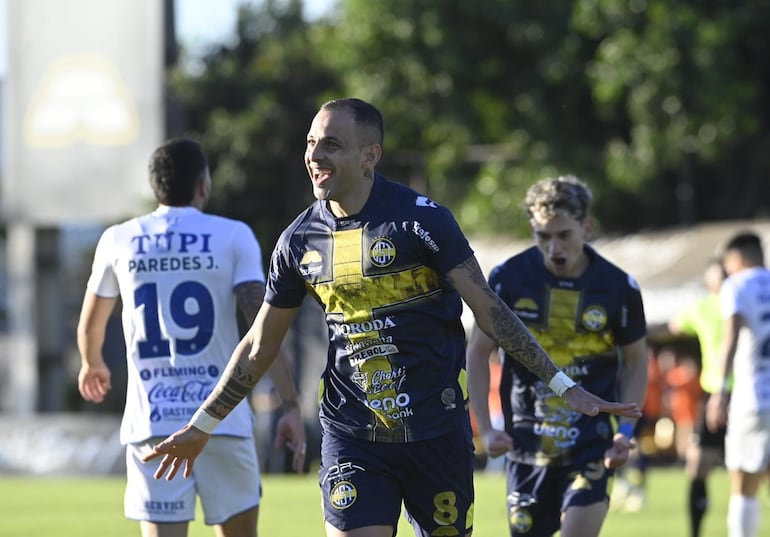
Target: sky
column 199, row 22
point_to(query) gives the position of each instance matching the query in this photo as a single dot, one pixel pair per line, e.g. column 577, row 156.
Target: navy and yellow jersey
column 580, row 323
column 396, row 363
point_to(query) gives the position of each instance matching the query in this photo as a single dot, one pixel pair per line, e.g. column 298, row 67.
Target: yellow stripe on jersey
column 560, row 336
column 355, row 296
column 563, row 341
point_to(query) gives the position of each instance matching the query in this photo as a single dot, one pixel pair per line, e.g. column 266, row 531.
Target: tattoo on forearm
column 249, row 297
column 507, row 330
column 237, row 388
column 519, row 343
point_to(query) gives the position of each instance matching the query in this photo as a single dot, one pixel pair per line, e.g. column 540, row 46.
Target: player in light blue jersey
column 181, row 275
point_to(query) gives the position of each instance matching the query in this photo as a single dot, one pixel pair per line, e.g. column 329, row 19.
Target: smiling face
column 334, row 154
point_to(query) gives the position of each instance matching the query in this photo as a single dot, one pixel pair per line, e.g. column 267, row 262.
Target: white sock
column 742, row 516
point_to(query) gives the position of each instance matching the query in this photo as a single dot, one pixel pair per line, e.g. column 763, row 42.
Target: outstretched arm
column 497, row 321
column 290, row 430
column 250, row 360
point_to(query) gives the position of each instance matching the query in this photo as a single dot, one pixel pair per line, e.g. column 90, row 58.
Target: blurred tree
column 250, row 105
column 661, row 106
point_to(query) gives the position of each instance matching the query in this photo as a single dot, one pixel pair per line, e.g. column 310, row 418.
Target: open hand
column 94, row 382
column 583, row 401
column 183, row 446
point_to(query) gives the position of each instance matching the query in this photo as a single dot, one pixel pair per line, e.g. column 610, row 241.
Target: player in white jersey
column 181, row 275
column 745, row 305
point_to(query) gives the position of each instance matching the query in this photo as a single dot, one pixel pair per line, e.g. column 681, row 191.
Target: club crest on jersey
column 382, row 252
column 520, row 519
column 343, row 495
column 594, row 318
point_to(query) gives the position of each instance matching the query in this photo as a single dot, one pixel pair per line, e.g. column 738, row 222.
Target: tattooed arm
column 250, row 360
column 290, row 430
column 498, row 322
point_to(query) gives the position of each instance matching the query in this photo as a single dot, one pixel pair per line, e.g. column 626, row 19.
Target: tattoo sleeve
column 249, row 297
column 238, row 378
column 237, row 387
column 514, row 337
column 497, row 320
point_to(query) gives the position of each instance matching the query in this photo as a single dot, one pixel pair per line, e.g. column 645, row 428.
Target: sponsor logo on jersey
column 371, row 352
column 594, row 318
column 341, row 471
column 393, row 407
column 380, row 380
column 343, row 495
column 425, row 236
column 382, row 252
column 424, row 201
column 311, row 263
column 561, row 435
column 346, row 329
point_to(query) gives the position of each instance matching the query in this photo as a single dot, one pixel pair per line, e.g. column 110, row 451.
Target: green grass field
column 92, row 507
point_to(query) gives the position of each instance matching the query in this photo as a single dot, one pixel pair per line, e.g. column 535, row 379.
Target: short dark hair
column 748, row 244
column 364, row 114
column 175, row 169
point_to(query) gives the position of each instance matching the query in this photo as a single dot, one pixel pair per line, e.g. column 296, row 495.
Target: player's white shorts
column 225, row 476
column 747, row 443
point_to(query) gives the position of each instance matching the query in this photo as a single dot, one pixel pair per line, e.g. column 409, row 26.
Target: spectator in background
column 744, row 303
column 181, row 276
column 588, row 314
column 705, row 448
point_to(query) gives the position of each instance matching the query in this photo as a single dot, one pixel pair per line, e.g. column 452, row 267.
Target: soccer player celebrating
column 588, row 315
column 389, row 266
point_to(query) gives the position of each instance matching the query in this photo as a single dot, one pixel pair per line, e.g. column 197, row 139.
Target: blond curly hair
column 551, row 197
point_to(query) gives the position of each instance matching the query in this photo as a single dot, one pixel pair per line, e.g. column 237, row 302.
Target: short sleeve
column 248, row 256
column 103, row 281
column 285, row 287
column 728, row 299
column 444, row 241
column 633, row 324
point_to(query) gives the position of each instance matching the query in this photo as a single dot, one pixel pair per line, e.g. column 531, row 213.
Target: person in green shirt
column 702, row 319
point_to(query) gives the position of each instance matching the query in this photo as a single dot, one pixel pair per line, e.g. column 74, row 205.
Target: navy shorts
column 364, row 483
column 537, row 495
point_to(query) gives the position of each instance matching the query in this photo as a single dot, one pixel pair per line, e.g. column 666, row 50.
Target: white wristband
column 560, row 383
column 204, row 421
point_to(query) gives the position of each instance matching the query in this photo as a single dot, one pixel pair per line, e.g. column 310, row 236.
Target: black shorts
column 364, row 483
column 702, row 436
column 537, row 495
